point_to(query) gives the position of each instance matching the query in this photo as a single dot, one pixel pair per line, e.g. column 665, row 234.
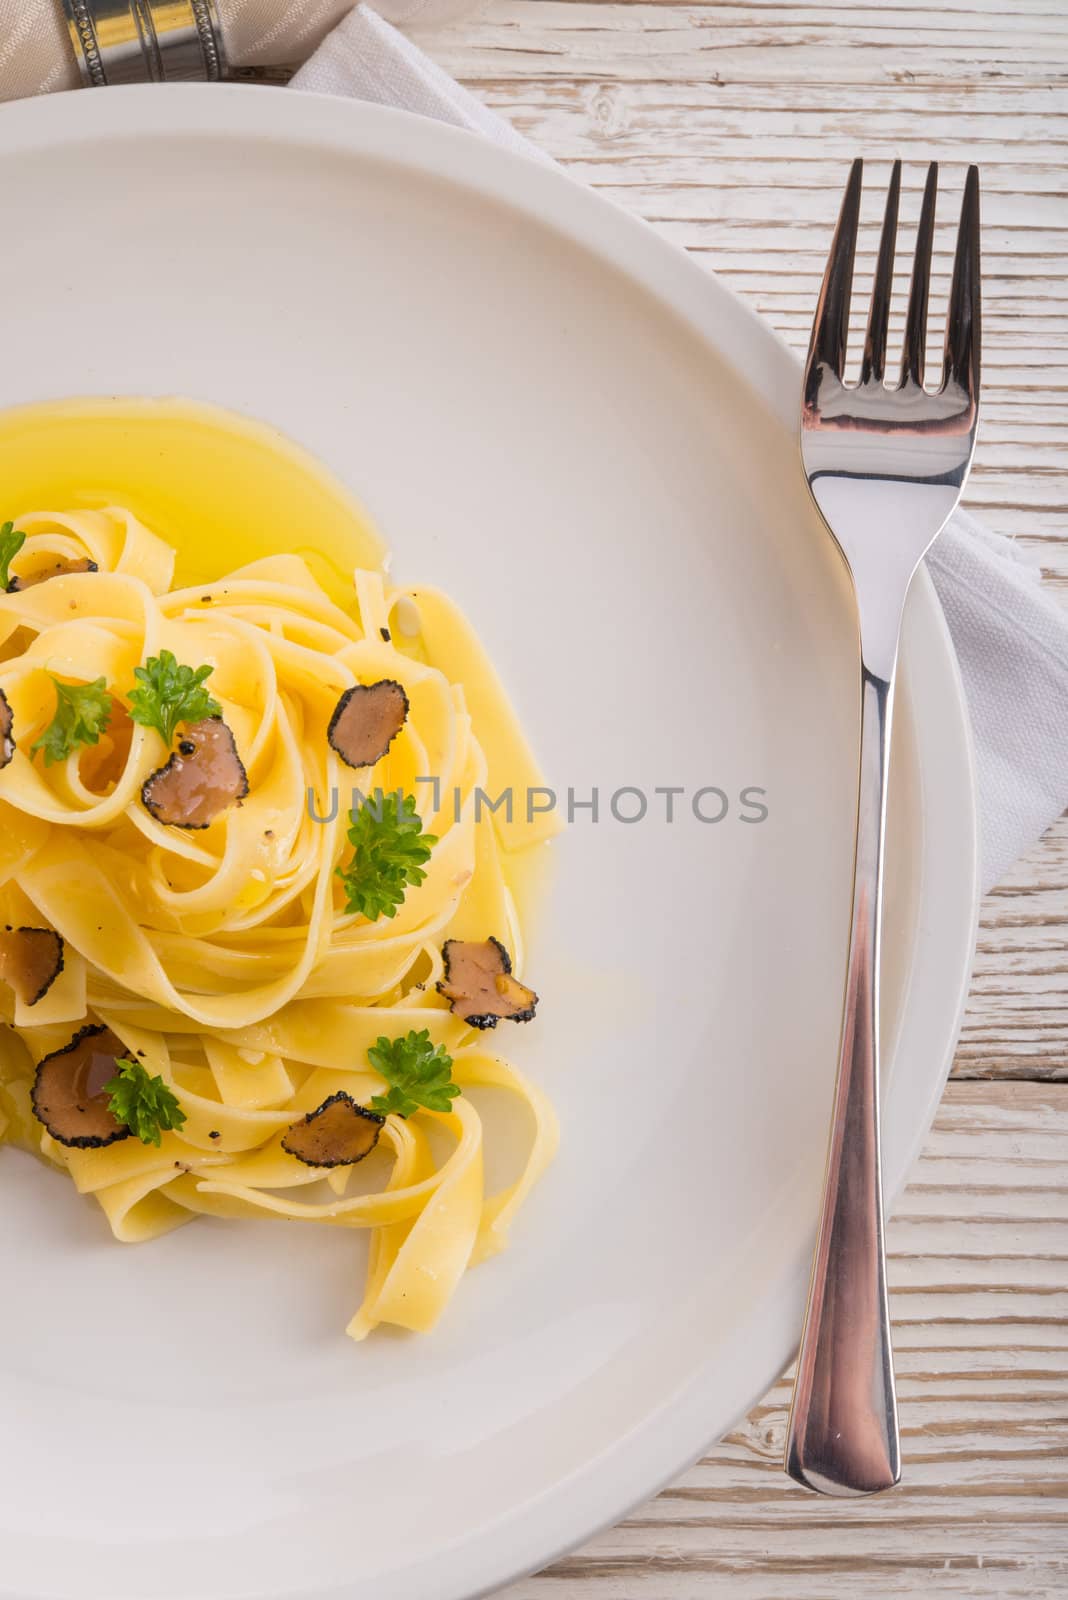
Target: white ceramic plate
column 590, row 443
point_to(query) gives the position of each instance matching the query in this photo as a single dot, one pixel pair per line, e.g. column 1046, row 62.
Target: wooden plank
column 770, row 43
column 1016, row 1024
column 729, row 127
column 981, row 1333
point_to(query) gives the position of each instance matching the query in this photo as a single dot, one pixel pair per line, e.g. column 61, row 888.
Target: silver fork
column 886, row 467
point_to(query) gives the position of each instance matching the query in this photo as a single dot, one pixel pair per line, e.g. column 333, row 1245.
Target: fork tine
column 914, row 354
column 873, row 366
column 963, row 325
column 831, row 326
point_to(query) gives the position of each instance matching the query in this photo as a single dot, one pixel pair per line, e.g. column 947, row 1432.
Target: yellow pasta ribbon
column 224, row 958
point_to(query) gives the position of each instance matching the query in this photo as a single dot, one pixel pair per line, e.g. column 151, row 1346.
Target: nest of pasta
column 190, row 881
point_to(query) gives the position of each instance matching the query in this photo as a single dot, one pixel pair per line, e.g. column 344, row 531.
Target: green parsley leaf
column 11, row 542
column 419, row 1075
column 144, row 1104
column 390, row 849
column 83, row 711
column 167, row 694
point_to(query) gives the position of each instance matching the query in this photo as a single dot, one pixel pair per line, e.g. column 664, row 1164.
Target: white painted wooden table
column 730, row 126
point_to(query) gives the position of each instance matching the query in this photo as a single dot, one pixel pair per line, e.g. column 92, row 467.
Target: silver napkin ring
column 145, row 41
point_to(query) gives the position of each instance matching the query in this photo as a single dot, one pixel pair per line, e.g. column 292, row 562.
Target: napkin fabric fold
column 1010, row 634
column 367, row 59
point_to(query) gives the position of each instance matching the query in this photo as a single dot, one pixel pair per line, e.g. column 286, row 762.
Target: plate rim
column 504, row 1552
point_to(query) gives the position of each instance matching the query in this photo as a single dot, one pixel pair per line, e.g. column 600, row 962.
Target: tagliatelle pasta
column 223, row 957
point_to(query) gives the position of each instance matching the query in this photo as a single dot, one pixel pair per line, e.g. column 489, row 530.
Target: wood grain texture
column 1016, row 1024
column 729, row 127
column 979, row 1295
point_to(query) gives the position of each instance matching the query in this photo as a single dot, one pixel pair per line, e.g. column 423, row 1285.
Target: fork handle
column 842, row 1437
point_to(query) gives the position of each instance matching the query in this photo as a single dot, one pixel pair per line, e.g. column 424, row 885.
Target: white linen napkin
column 1011, row 635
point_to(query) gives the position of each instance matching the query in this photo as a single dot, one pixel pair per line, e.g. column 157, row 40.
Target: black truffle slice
column 479, row 985
column 203, row 778
column 67, row 1095
column 59, row 570
column 7, row 721
column 31, row 959
column 367, row 720
column 336, row 1134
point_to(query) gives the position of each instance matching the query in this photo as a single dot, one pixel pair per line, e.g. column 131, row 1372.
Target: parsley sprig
column 143, row 1103
column 82, row 713
column 389, row 851
column 11, row 542
column 168, row 693
column 419, row 1075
